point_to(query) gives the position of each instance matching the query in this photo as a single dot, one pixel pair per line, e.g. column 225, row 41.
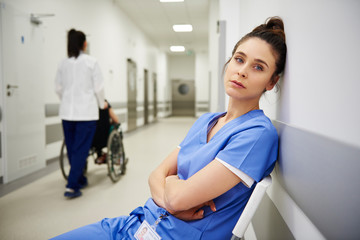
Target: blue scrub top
column 249, row 143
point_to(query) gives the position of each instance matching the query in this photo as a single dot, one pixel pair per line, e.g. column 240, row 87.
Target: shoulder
column 263, row 123
column 63, row 61
column 87, row 57
column 89, row 60
column 252, row 126
column 64, row 64
column 257, row 125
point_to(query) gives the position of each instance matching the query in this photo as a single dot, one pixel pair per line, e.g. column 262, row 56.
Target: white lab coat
column 80, row 86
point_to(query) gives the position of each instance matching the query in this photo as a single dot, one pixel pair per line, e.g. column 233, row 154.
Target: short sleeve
column 253, row 151
column 248, row 181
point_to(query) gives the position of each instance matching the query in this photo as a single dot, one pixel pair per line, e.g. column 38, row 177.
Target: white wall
column 319, row 91
column 321, row 83
column 202, row 83
column 182, row 67
column 202, row 77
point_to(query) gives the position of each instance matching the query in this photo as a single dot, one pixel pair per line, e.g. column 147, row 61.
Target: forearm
column 204, row 186
column 113, row 116
column 174, row 195
column 187, row 211
column 157, row 184
column 157, row 177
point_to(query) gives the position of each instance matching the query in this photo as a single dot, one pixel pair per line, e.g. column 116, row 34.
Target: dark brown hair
column 76, row 40
column 272, row 32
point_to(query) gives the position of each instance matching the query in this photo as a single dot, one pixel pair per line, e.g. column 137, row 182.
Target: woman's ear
column 272, row 82
column 84, row 46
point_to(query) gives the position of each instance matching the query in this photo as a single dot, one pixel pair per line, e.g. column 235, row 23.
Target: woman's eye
column 239, row 60
column 258, row 67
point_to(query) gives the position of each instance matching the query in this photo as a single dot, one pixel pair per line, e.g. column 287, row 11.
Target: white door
column 22, row 94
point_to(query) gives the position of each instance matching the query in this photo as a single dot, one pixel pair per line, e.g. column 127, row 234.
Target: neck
column 239, row 108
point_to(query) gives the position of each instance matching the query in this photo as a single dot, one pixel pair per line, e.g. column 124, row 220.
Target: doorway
column 131, row 93
column 183, row 98
column 146, row 97
column 154, row 77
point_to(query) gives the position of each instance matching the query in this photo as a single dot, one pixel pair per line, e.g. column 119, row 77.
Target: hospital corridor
column 275, row 83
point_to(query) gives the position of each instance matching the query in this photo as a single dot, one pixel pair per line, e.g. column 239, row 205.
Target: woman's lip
column 238, row 84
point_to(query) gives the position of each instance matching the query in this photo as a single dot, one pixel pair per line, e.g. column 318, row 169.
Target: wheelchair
column 115, row 155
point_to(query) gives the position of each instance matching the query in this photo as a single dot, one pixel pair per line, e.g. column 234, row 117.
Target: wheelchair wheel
column 115, row 156
column 65, row 163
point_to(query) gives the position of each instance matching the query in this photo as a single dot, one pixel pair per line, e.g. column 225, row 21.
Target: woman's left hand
column 195, row 213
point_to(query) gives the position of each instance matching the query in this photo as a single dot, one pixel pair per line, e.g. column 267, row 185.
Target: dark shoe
column 84, row 185
column 101, row 159
column 71, row 193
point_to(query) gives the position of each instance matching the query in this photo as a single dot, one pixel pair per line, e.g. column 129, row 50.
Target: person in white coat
column 80, row 87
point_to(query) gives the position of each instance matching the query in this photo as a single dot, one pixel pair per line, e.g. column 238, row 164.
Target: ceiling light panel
column 177, row 48
column 183, row 28
column 165, row 1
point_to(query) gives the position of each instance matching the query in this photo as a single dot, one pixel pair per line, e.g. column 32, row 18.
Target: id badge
column 146, row 232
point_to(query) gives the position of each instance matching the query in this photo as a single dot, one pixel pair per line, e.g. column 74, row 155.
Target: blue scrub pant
column 125, row 227
column 78, row 138
column 120, row 228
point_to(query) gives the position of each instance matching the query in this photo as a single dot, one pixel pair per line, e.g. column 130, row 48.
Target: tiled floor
column 38, row 210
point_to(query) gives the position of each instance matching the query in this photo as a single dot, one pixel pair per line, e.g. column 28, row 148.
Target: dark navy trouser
column 78, row 138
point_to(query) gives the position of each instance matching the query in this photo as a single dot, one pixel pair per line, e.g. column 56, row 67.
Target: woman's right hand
column 106, row 105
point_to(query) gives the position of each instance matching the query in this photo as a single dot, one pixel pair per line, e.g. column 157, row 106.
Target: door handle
column 10, row 89
column 11, row 86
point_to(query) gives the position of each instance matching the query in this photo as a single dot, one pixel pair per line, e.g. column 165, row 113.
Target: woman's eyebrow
column 262, row 61
column 256, row 59
column 241, row 53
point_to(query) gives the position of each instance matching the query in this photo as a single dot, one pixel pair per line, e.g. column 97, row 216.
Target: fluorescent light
column 171, row 0
column 183, row 28
column 177, row 48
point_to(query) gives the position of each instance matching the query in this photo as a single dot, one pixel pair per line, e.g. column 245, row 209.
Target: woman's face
column 250, row 70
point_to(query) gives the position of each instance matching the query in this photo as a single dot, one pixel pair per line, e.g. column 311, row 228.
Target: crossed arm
column 184, row 198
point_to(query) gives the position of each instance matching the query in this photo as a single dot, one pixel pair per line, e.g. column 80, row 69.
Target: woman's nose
column 242, row 71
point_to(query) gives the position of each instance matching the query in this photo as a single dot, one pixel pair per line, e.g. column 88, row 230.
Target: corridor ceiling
column 156, row 20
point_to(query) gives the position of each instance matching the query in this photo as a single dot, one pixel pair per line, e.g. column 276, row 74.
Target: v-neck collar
column 237, row 121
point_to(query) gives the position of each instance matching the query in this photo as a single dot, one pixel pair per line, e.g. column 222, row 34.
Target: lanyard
column 158, row 220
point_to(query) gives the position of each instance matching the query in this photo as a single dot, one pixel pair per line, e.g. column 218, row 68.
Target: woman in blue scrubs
column 202, row 187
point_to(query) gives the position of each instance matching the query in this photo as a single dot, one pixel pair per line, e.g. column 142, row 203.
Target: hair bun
column 72, row 31
column 274, row 23
column 276, row 26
